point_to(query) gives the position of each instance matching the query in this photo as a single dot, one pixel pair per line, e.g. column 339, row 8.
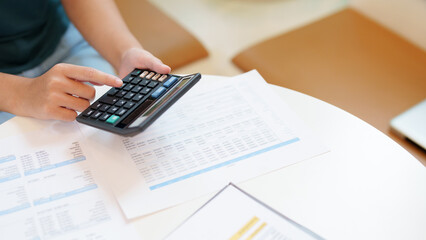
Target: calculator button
column 112, row 119
column 152, row 84
column 136, row 80
column 121, row 93
column 136, row 72
column 170, row 82
column 104, row 107
column 144, row 82
column 127, row 79
column 112, row 92
column 137, row 89
column 129, row 95
column 129, row 105
column 113, row 109
column 108, row 100
column 96, row 105
column 96, row 115
column 156, row 76
column 145, row 91
column 138, row 97
column 88, row 112
column 128, row 87
column 120, row 103
column 104, row 116
column 143, row 74
column 158, row 92
column 121, row 112
column 162, row 78
column 149, row 76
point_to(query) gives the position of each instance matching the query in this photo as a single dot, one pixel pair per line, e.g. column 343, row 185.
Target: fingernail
column 118, row 81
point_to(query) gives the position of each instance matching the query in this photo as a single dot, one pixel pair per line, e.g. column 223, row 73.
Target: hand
column 140, row 58
column 60, row 92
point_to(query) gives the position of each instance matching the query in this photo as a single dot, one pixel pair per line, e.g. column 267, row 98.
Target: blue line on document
column 51, row 166
column 15, row 209
column 12, row 177
column 7, row 158
column 201, row 171
column 80, row 190
column 64, row 195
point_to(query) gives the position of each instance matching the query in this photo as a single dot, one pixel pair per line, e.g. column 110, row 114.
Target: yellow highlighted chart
column 254, row 234
column 245, row 228
column 235, row 215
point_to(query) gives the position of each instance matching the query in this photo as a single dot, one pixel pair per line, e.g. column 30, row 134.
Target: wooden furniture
column 349, row 61
column 159, row 34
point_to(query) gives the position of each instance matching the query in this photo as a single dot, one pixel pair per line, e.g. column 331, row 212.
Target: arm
column 61, row 91
column 100, row 22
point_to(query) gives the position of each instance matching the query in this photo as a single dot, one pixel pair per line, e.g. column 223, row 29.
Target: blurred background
column 366, row 57
column 226, row 27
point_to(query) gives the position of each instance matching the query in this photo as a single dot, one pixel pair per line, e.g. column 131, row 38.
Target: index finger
column 87, row 74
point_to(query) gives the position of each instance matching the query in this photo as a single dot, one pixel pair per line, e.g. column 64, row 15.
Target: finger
column 96, row 84
column 87, row 74
column 156, row 65
column 65, row 114
column 80, row 89
column 74, row 103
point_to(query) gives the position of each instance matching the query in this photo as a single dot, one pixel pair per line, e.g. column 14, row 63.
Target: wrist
column 19, row 102
column 11, row 93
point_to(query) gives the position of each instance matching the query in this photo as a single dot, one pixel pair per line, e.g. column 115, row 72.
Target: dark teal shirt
column 30, row 30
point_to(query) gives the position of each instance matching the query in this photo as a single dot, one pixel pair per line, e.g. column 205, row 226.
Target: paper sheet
column 222, row 130
column 233, row 214
column 49, row 189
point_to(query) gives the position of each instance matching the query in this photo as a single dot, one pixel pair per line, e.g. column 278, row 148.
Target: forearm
column 100, row 22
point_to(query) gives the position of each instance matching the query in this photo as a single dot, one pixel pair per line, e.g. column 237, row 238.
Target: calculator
column 142, row 98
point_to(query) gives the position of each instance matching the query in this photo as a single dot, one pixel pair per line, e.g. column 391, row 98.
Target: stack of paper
column 52, row 179
column 233, row 214
column 223, row 130
column 49, row 189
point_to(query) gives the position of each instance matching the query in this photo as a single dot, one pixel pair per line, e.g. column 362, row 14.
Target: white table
column 366, row 187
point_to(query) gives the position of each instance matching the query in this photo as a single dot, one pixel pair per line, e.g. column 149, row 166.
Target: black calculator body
column 142, row 98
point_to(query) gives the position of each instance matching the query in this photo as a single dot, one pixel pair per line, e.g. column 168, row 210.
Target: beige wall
column 406, row 17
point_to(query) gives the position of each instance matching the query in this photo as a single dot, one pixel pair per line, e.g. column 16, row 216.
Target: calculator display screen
column 160, row 102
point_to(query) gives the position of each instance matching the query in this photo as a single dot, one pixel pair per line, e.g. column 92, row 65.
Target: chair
column 349, row 61
column 159, row 34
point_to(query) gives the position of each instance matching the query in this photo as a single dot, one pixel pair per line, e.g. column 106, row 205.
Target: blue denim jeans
column 72, row 49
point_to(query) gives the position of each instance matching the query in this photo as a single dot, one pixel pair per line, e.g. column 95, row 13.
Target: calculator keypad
column 132, row 107
column 137, row 87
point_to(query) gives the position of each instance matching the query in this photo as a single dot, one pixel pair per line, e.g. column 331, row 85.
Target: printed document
column 223, row 130
column 233, row 214
column 49, row 189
